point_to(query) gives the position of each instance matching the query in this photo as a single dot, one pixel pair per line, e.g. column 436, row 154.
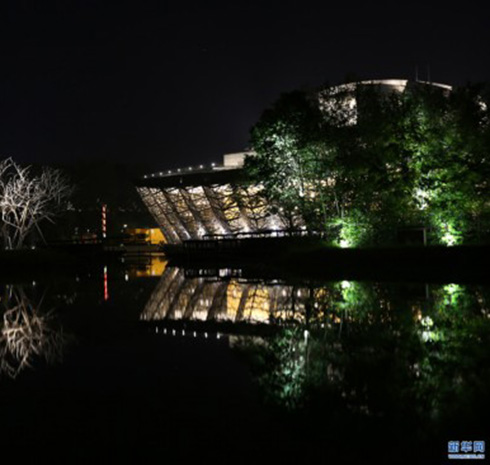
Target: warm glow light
column 220, row 211
column 106, row 285
column 254, row 304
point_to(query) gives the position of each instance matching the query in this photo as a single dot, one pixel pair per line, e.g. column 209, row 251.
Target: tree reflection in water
column 368, row 360
column 26, row 334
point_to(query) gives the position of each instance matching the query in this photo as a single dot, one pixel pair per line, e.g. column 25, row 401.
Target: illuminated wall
column 190, row 212
column 152, row 236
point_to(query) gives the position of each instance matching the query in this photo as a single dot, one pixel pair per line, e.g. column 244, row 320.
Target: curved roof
column 395, row 84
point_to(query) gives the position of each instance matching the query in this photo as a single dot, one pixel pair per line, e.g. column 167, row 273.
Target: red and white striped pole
column 104, row 221
column 106, row 284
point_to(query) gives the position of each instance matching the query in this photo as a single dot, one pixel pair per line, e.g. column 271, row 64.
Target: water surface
column 141, row 360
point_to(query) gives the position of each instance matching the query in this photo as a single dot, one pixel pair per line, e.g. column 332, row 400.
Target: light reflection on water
column 27, row 333
column 177, row 297
column 408, row 361
column 414, row 357
column 225, row 295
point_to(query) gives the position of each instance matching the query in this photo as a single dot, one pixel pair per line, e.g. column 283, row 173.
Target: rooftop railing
column 189, row 169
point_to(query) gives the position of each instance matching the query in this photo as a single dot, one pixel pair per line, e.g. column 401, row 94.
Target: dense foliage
column 367, row 163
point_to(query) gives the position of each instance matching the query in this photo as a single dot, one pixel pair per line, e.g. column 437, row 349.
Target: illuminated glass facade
column 213, row 201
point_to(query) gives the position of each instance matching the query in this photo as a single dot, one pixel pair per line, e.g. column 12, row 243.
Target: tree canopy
column 364, row 163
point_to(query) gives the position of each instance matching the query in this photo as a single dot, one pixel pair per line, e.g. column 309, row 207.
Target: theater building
column 214, row 201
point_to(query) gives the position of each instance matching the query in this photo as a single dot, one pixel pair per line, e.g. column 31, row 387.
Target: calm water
column 137, row 361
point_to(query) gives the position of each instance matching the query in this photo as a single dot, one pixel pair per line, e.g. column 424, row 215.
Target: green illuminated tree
column 287, row 139
column 371, row 164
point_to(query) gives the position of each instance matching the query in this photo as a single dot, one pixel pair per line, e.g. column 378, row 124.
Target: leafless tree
column 26, row 334
column 27, row 199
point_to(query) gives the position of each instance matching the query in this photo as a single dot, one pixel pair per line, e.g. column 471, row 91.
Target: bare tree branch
column 26, row 200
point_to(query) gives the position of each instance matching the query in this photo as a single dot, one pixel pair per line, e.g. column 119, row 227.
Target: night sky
column 178, row 83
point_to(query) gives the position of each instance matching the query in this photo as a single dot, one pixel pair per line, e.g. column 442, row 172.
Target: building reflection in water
column 360, row 342
column 224, row 298
column 27, row 334
column 224, row 295
column 146, row 267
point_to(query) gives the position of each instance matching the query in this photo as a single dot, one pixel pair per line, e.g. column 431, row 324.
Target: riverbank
column 65, row 258
column 39, row 263
column 312, row 258
column 289, row 258
column 33, row 263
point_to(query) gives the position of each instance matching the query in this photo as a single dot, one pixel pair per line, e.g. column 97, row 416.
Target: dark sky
column 179, row 83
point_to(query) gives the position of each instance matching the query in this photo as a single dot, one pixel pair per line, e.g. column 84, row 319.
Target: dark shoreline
column 274, row 258
column 312, row 259
column 40, row 263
